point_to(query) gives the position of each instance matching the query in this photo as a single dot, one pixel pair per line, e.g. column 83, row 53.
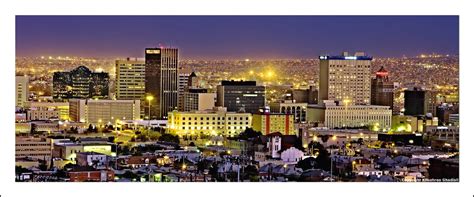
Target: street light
column 149, row 98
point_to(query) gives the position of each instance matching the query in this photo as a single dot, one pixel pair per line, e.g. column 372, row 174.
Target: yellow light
column 285, row 166
column 395, row 151
column 334, row 137
column 149, row 98
column 251, row 72
column 183, row 167
column 353, row 162
column 229, row 152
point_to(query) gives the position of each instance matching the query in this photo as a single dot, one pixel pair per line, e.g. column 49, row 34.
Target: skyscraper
column 418, row 102
column 382, row 89
column 345, row 78
column 130, row 79
column 183, row 79
column 241, row 96
column 21, row 90
column 80, row 83
column 161, row 80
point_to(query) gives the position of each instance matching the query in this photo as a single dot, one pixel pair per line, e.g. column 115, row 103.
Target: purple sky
column 211, row 37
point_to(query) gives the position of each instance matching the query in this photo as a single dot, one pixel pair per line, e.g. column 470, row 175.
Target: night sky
column 236, row 37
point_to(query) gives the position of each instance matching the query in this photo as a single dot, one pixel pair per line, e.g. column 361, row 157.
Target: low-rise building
column 33, row 147
column 332, row 115
column 267, row 123
column 210, row 122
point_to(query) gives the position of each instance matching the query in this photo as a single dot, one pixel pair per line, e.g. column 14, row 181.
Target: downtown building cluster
column 91, row 130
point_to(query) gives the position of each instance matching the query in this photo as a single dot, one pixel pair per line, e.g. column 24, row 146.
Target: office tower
column 80, row 83
column 419, row 102
column 103, row 112
column 21, row 90
column 183, row 80
column 214, row 122
column 193, row 81
column 382, row 89
column 161, row 81
column 241, row 96
column 345, row 78
column 198, row 99
column 130, row 79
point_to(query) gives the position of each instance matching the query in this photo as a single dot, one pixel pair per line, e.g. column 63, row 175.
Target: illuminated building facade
column 331, row 115
column 21, row 90
column 103, row 112
column 298, row 110
column 80, row 83
column 47, row 110
column 267, row 123
column 161, row 80
column 382, row 89
column 130, row 79
column 208, row 123
column 241, row 96
column 33, row 147
column 345, row 78
column 198, row 99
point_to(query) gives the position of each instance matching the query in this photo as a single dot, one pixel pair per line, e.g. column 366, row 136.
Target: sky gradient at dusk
column 236, row 37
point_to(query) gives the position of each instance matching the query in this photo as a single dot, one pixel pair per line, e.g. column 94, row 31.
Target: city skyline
column 236, row 37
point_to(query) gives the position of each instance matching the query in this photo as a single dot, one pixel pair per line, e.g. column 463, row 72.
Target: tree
column 33, row 128
column 323, row 159
column 306, row 164
column 90, row 129
column 251, row 172
column 324, row 138
column 248, row 134
column 169, row 138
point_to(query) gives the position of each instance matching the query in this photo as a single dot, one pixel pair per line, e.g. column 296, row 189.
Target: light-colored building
column 345, row 78
column 292, row 155
column 33, row 147
column 103, row 112
column 210, row 122
column 21, row 90
column 331, row 115
column 130, row 79
column 267, row 123
column 198, row 101
column 338, row 137
column 47, row 110
column 91, row 159
column 289, row 107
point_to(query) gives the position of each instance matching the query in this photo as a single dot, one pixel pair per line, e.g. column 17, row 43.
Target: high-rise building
column 241, row 96
column 382, row 89
column 183, row 80
column 130, row 79
column 198, row 99
column 103, row 112
column 345, row 78
column 21, row 90
column 161, row 80
column 419, row 102
column 80, row 83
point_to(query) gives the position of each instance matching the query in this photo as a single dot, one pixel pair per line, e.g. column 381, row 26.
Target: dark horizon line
column 232, row 58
